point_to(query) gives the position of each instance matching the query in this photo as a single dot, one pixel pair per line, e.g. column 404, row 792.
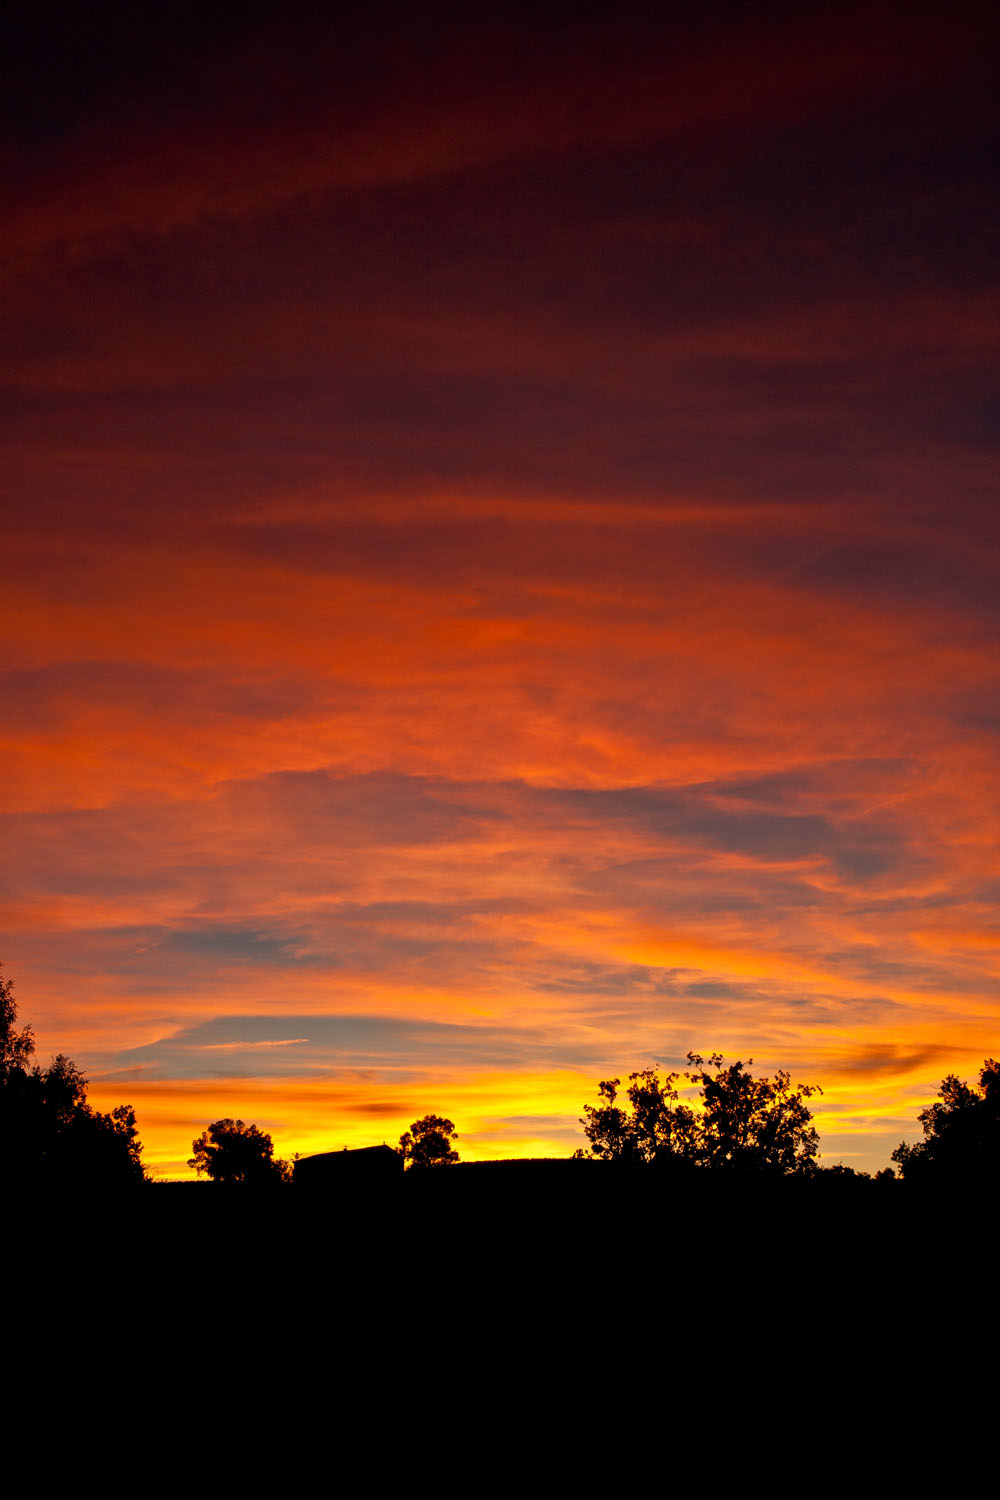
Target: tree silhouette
column 49, row 1134
column 753, row 1124
column 427, row 1143
column 961, row 1133
column 744, row 1124
column 656, row 1124
column 16, row 1047
column 230, row 1151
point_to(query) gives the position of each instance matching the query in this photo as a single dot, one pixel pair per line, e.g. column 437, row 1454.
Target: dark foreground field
column 469, row 1317
column 460, row 1242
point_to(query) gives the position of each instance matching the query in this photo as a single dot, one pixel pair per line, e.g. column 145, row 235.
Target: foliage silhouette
column 961, row 1133
column 744, row 1124
column 427, row 1143
column 49, row 1134
column 16, row 1047
column 230, row 1151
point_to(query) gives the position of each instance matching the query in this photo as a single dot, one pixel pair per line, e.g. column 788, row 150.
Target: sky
column 500, row 548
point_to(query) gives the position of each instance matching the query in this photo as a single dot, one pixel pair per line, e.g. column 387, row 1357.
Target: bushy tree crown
column 427, row 1143
column 743, row 1123
column 230, row 1151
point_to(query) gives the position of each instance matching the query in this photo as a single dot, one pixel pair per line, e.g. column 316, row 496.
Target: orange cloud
column 526, row 572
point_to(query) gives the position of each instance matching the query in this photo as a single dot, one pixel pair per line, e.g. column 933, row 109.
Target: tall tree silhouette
column 16, row 1047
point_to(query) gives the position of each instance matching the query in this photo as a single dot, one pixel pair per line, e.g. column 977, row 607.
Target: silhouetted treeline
column 743, row 1131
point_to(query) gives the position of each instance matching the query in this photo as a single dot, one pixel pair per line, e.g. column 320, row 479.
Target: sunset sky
column 500, row 559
